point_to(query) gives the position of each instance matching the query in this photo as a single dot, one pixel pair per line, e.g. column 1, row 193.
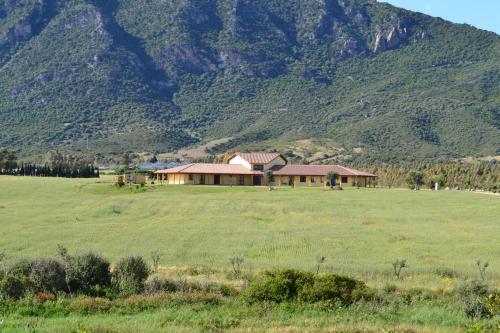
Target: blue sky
column 484, row 14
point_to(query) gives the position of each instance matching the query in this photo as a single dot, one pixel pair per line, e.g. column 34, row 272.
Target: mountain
column 378, row 82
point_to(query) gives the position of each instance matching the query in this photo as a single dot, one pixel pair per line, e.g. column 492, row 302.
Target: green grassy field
column 359, row 231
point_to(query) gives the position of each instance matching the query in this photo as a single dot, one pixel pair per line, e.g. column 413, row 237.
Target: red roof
column 206, row 168
column 316, row 170
column 258, row 158
column 278, row 170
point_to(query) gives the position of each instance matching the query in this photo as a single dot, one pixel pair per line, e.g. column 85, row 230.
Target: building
column 249, row 169
column 132, row 178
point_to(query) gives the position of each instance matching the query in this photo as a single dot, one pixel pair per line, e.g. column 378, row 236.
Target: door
column 257, row 180
column 202, row 180
column 216, row 179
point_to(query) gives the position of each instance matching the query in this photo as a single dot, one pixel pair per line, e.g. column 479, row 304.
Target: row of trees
column 55, row 164
column 460, row 175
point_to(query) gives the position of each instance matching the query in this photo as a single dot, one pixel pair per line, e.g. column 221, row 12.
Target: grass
column 234, row 316
column 360, row 232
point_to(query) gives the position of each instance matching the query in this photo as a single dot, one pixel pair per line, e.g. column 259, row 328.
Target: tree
column 8, row 160
column 53, row 159
column 332, row 178
column 415, row 179
column 442, row 180
column 269, row 177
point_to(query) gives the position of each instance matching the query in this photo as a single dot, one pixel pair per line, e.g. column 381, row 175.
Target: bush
column 88, row 273
column 43, row 297
column 157, row 283
column 21, row 267
column 290, row 285
column 90, row 305
column 14, row 286
column 48, row 274
column 446, row 272
column 493, row 303
column 335, row 288
column 474, row 298
column 279, row 286
column 130, row 274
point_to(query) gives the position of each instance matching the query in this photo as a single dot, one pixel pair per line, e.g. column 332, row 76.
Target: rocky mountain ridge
column 158, row 76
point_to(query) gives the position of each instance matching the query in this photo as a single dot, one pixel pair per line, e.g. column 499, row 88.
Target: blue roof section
column 158, row 165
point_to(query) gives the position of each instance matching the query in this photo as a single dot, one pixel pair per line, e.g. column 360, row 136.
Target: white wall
column 239, row 160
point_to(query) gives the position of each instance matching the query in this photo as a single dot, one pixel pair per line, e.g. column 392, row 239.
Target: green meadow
column 359, row 231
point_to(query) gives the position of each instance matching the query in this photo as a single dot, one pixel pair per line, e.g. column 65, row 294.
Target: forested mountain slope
column 142, row 75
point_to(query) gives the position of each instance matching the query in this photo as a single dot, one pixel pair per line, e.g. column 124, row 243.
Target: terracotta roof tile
column 316, row 170
column 258, row 158
column 206, row 168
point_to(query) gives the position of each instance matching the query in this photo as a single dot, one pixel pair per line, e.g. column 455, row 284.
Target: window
column 313, row 179
column 344, row 179
column 191, row 177
column 258, row 167
column 241, row 180
column 302, row 179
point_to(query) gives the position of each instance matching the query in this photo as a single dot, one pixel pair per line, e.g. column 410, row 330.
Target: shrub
column 389, row 288
column 482, row 268
column 335, row 288
column 279, row 286
column 48, row 274
column 88, row 273
column 236, row 262
column 157, row 283
column 155, row 257
column 474, row 297
column 290, row 285
column 90, row 305
column 14, row 286
column 446, row 272
column 130, row 274
column 43, row 297
column 320, row 260
column 22, row 267
column 397, row 266
column 415, row 180
column 493, row 303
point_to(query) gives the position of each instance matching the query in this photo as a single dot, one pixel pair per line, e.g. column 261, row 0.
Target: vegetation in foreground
column 70, row 293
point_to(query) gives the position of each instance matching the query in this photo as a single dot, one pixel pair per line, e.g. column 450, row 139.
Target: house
column 249, row 169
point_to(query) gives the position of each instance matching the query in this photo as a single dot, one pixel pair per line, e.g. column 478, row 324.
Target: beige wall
column 179, row 179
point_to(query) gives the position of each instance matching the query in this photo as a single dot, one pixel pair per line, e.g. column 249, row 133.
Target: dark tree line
column 55, row 164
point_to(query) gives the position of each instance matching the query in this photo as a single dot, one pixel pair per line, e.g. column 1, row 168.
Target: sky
column 483, row 14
